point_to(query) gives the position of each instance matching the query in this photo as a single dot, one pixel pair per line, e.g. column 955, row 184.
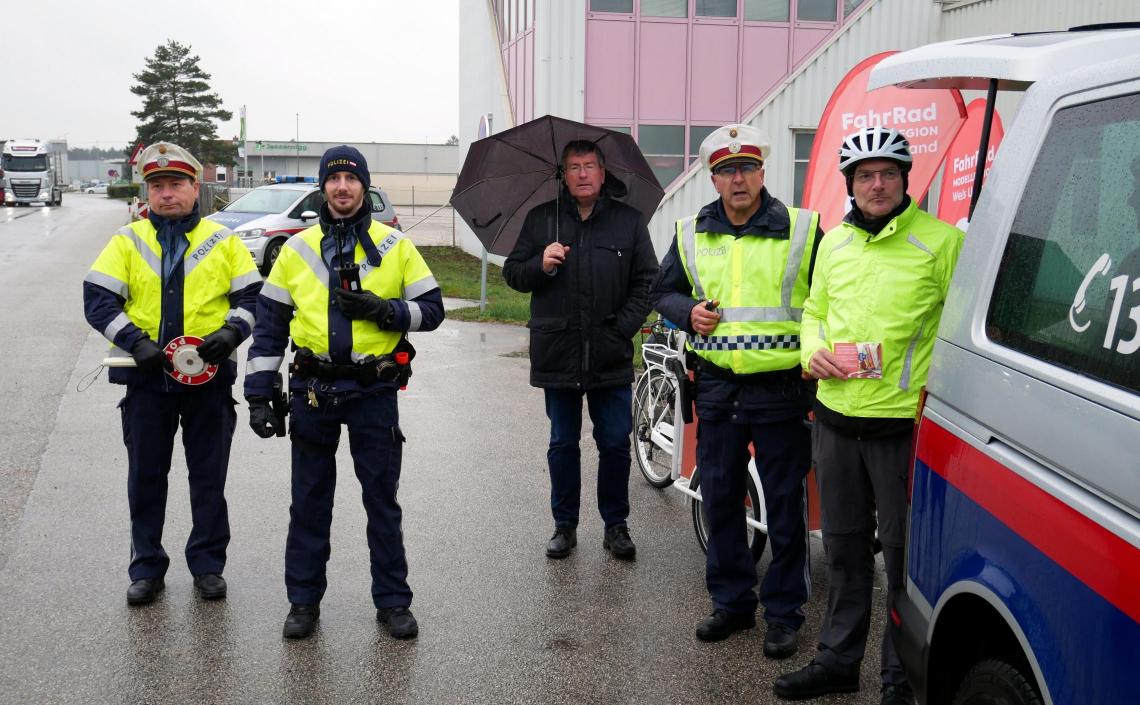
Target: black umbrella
column 507, row 174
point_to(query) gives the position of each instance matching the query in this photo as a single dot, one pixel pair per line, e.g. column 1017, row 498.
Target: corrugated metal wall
column 979, row 17
column 881, row 25
column 559, row 58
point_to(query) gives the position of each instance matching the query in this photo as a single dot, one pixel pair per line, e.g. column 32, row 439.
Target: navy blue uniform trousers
column 376, row 443
column 783, row 455
column 150, row 421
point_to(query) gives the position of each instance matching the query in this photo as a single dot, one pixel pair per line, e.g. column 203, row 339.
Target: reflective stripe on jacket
column 761, row 284
column 887, row 288
column 216, row 265
column 300, row 278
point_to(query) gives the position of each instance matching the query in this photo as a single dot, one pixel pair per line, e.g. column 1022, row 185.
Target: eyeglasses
column 889, row 175
column 588, row 167
column 727, row 171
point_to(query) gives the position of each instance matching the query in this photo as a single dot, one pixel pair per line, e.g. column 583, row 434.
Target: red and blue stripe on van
column 1072, row 585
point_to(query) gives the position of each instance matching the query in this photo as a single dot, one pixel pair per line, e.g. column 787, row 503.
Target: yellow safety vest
column 216, row 264
column 889, row 289
column 761, row 284
column 300, row 278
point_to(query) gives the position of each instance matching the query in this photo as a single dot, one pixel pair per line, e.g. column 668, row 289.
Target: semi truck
column 33, row 171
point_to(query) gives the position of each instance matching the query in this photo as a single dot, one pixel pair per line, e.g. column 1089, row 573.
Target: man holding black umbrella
column 588, row 262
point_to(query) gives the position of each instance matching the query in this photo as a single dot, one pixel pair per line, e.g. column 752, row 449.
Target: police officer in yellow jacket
column 347, row 291
column 156, row 282
column 867, row 334
column 735, row 278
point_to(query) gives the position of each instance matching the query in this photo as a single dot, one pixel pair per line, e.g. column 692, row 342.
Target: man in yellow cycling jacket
column 158, row 280
column 347, row 291
column 736, row 277
column 867, row 334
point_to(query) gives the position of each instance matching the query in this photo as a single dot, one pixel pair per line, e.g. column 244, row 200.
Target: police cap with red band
column 733, row 143
column 164, row 158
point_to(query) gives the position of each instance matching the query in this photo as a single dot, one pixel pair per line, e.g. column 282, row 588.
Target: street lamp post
column 248, row 180
column 298, row 138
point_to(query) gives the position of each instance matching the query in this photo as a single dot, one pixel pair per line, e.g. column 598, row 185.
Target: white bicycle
column 654, row 406
column 659, row 436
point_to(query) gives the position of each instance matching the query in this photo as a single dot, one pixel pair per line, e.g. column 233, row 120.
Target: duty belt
column 306, row 365
column 704, row 367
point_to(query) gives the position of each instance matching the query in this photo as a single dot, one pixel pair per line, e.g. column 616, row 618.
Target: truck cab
column 32, row 173
column 1023, row 544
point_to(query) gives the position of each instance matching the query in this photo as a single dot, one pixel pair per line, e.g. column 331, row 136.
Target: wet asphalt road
column 499, row 622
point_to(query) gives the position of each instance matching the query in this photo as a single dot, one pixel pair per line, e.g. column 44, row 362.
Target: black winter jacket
column 583, row 316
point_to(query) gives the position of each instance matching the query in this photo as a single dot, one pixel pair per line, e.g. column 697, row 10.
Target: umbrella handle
column 477, row 224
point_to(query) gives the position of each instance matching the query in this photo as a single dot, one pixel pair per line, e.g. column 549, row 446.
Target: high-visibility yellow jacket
column 887, row 288
column 761, row 284
column 216, row 264
column 301, row 278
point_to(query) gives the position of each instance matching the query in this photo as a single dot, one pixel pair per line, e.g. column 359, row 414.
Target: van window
column 376, row 201
column 1068, row 291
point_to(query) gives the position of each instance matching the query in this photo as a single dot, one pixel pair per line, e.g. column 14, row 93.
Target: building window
column 611, row 6
column 767, row 10
column 697, row 134
column 850, row 6
column 664, row 8
column 800, row 159
column 617, row 128
column 664, row 149
column 815, row 10
column 715, row 8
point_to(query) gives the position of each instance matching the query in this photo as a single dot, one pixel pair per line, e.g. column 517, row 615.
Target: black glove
column 149, row 357
column 365, row 306
column 218, row 345
column 262, row 419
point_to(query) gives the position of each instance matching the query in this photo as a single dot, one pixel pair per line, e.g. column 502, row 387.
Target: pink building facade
column 671, row 71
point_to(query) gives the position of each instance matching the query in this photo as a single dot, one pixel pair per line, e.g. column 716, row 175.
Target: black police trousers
column 376, row 443
column 150, row 421
column 783, row 458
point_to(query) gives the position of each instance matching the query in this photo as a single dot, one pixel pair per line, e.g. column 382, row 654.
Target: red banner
column 929, row 118
column 962, row 164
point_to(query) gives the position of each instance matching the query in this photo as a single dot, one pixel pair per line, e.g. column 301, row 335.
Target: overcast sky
column 355, row 70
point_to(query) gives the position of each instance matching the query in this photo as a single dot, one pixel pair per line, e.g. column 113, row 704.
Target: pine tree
column 179, row 107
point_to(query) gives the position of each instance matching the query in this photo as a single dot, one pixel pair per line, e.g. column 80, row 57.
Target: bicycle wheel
column 757, row 540
column 653, row 411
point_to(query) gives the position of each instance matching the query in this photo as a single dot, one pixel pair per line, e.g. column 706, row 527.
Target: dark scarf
column 347, row 232
column 171, row 234
column 874, row 225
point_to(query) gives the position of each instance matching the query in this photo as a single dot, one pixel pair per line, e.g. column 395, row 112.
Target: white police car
column 268, row 215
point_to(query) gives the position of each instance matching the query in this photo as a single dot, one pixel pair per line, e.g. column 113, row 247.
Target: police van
column 1023, row 548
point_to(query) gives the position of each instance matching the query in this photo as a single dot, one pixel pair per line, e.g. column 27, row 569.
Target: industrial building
column 670, row 71
column 409, row 173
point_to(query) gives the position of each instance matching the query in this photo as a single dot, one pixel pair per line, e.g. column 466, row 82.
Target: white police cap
column 167, row 158
column 734, row 142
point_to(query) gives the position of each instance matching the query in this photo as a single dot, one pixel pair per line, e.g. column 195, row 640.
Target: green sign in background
column 280, row 147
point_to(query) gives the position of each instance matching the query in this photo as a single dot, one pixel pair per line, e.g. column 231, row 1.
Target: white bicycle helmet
column 874, row 143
